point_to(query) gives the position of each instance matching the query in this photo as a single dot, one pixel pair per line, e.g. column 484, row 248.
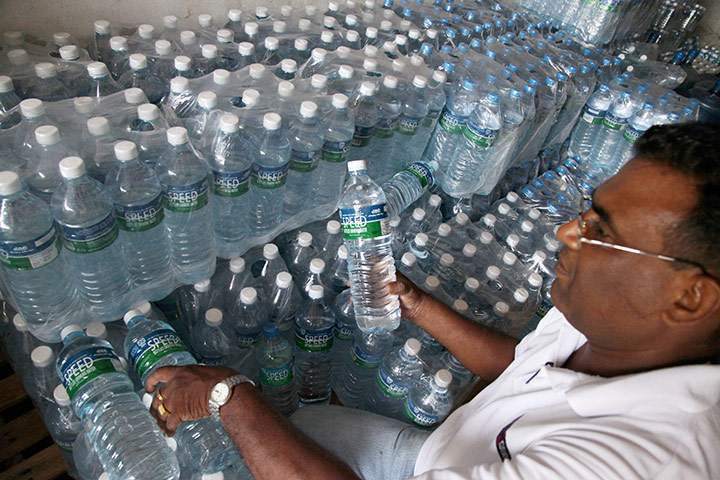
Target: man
column 616, row 382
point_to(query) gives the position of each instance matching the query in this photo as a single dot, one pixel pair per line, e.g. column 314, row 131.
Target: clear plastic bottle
column 380, row 148
column 313, row 341
column 103, row 397
column 193, row 303
column 306, row 143
column 118, row 61
column 42, row 380
column 84, row 215
column 253, row 315
column 284, row 302
column 64, row 426
column 637, row 126
column 268, row 267
column 203, row 446
column 461, row 375
column 344, row 331
column 203, row 122
column 399, row 370
column 270, row 167
column 209, row 340
column 360, row 366
column 314, row 276
column 8, row 100
column 43, row 164
column 20, row 343
column 234, row 23
column 33, row 115
column 366, row 116
column 611, row 134
column 140, row 76
column 414, row 110
column 276, row 370
column 48, row 86
column 102, row 39
column 150, row 133
column 301, row 253
column 364, row 218
column 101, row 83
column 137, row 195
column 97, row 149
column 408, row 185
column 86, row 461
column 329, row 241
column 338, row 134
column 429, row 400
column 34, row 264
column 590, row 122
column 336, row 275
column 188, row 217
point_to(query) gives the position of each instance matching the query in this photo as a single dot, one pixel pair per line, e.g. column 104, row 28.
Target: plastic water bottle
column 336, row 275
column 252, row 317
column 613, row 127
column 48, row 86
column 86, row 461
column 364, row 217
column 313, row 341
column 42, row 380
column 339, row 129
column 43, row 163
column 103, row 397
column 637, row 126
column 119, row 56
column 188, row 217
column 137, row 195
column 34, row 265
column 64, row 426
column 97, row 150
column 399, row 370
column 140, row 76
column 284, row 302
column 276, row 370
column 414, row 110
column 461, row 375
column 300, row 254
column 209, row 340
column 380, row 148
column 266, row 270
column 329, row 242
column 101, row 83
column 204, row 447
column 407, row 185
column 8, row 100
column 269, row 174
column 84, row 214
column 306, row 141
column 315, row 276
column 20, row 343
column 360, row 365
column 230, row 165
column 429, row 400
column 344, row 331
column 435, row 97
column 366, row 116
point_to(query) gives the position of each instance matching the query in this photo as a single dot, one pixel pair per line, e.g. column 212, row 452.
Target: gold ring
column 163, row 411
column 159, row 396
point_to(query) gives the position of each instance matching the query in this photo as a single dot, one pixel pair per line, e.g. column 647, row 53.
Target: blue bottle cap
column 592, row 64
column 462, row 48
column 469, row 84
column 550, row 82
column 491, row 78
column 530, row 90
column 490, row 40
column 498, row 23
column 673, row 116
column 572, row 70
column 426, row 48
column 603, row 87
column 530, row 66
column 529, row 191
column 585, row 69
column 445, row 49
column 448, row 67
column 694, row 103
column 475, row 43
column 457, row 19
column 493, row 97
column 490, row 54
column 533, row 82
column 648, row 106
column 487, row 25
column 513, row 67
column 449, row 8
column 561, row 77
column 465, row 31
column 407, row 12
column 270, row 330
column 427, row 23
column 450, row 33
column 562, row 170
column 507, row 73
column 467, row 63
column 515, row 93
column 539, row 184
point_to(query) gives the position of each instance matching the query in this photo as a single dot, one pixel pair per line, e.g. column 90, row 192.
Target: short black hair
column 694, row 150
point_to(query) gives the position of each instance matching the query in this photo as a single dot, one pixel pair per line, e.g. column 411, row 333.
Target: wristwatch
column 222, row 392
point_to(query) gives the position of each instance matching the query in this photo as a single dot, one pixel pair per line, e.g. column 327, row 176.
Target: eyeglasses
column 587, row 231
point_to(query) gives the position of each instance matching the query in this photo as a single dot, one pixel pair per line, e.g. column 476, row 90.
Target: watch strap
column 230, row 382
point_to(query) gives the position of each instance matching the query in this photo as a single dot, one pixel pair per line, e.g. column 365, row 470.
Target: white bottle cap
column 118, row 43
column 20, row 323
column 272, row 121
column 97, row 330
column 61, row 396
column 339, row 100
column 285, row 88
column 208, row 101
column 503, row 209
column 408, row 259
column 326, row 36
column 492, row 272
column 130, row 315
column 188, row 37
column 486, row 238
column 251, row 28
column 213, row 476
column 539, row 256
column 221, row 77
column 47, row 135
column 400, row 40
column 535, row 280
column 248, row 295
column 229, row 123
column 418, row 214
column 279, row 26
column 386, row 25
column 444, row 230
column 345, row 71
column 304, row 24
column 104, row 476
column 509, row 258
column 316, row 292
column 472, row 284
column 318, row 54
column 300, row 44
column 352, row 36
column 65, row 331
column 261, row 12
column 237, row 264
column 283, row 279
column 412, row 347
column 205, row 20
column 256, row 71
column 83, row 105
column 170, row 21
column 332, row 227
column 98, row 126
column 512, row 240
column 134, row 96
column 163, row 47
column 432, row 282
column 235, row 14
column 97, row 70
column 177, row 136
column 443, row 378
column 370, row 51
column 18, row 57
column 371, row 32
column 439, row 76
column 102, row 27
column 304, row 239
column 342, row 252
column 421, row 239
column 271, row 43
column 351, row 20
column 213, row 317
column 182, row 64
column 172, row 443
column 489, row 220
column 317, row 265
column 147, row 112
column 390, row 81
column 45, row 70
column 461, row 219
column 9, row 183
column 69, row 52
column 460, row 306
column 552, row 245
column 520, row 295
column 395, row 222
column 250, row 97
column 405, row 25
column 512, row 197
column 328, row 22
column 434, row 200
column 270, row 251
column 356, row 165
column 202, row 286
column 447, row 260
column 527, row 226
column 419, row 81
column 143, row 307
column 209, row 50
column 288, row 65
column 62, row 38
column 367, row 89
column 147, row 399
column 125, row 151
column 469, row 250
column 246, row 49
column 42, row 356
column 286, row 10
column 370, row 65
column 308, row 109
column 146, row 31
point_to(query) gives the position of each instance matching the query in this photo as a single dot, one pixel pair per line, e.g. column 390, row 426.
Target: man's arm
column 482, row 350
column 271, row 446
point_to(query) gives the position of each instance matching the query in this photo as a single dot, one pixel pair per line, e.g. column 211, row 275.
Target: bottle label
column 592, row 116
column 419, row 417
column 606, row 5
column 248, row 340
column 231, row 184
column 269, row 178
column 303, row 161
column 422, row 172
column 148, row 350
column 335, row 152
column 453, row 123
column 544, row 308
column 385, row 128
column 430, row 118
column 211, row 360
column 363, row 359
column 186, row 198
column 344, row 332
column 390, row 387
column 614, row 122
column 631, row 134
column 276, row 376
column 314, row 341
column 362, row 135
column 138, row 218
column 30, row 255
column 90, row 239
column 482, row 137
column 86, row 365
column 365, row 222
column 408, row 125
column 64, row 445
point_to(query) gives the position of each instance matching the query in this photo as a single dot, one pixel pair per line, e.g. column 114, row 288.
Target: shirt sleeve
column 551, row 318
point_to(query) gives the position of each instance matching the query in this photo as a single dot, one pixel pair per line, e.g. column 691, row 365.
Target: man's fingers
column 172, row 423
column 397, row 288
column 161, row 375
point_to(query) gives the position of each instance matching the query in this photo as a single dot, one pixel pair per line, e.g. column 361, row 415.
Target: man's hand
column 184, row 393
column 413, row 301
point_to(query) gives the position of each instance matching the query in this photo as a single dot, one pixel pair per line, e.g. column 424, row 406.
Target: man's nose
column 568, row 234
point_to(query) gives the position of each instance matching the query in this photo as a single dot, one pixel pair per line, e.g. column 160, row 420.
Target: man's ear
column 697, row 298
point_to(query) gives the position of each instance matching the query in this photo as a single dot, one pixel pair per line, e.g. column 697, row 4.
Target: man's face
column 615, row 297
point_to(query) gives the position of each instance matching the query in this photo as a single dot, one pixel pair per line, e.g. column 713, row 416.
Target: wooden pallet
column 27, row 451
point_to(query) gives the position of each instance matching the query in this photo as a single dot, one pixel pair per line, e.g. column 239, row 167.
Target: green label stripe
column 363, row 359
column 482, row 137
column 344, row 333
column 632, row 135
column 148, row 350
column 248, row 340
column 385, row 128
column 269, row 178
column 362, row 135
column 139, row 218
column 86, row 365
column 276, row 376
column 453, row 123
column 90, row 239
column 408, row 125
column 390, row 387
column 304, row 161
column 605, row 5
column 417, row 416
column 314, row 341
column 422, row 172
column 30, row 255
column 335, row 152
column 614, row 122
column 365, row 222
column 232, row 184
column 186, row 198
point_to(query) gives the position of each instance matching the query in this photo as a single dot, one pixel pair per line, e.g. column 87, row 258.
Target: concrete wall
column 709, row 28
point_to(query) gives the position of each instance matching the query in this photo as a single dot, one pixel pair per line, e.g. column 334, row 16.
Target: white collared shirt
column 539, row 421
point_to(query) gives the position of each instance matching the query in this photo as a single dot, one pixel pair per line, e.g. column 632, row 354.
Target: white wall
column 709, row 28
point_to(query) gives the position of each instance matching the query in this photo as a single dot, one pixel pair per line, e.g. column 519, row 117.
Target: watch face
column 220, row 393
